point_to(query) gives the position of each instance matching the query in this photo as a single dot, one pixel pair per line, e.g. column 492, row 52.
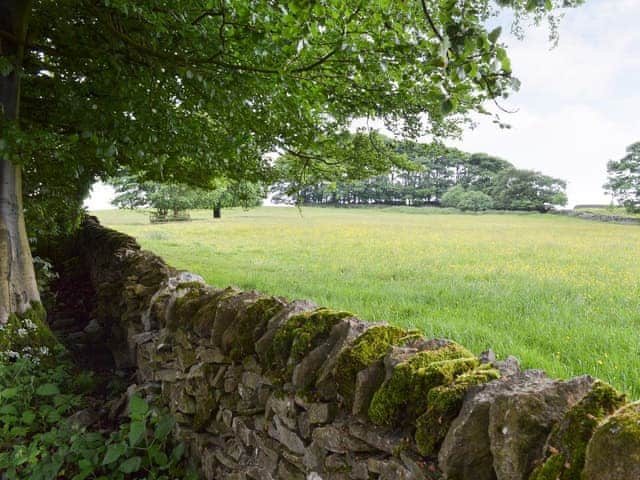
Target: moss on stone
column 402, row 397
column 614, row 450
column 443, row 406
column 366, row 349
column 568, row 440
column 27, row 333
column 298, row 336
column 205, row 315
column 252, row 324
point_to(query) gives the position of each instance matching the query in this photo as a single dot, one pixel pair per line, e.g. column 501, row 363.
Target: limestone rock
column 501, row 429
column 521, row 421
column 294, row 308
column 614, row 451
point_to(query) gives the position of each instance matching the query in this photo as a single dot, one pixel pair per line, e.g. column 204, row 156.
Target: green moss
column 299, row 335
column 27, row 333
column 250, row 326
column 443, row 406
column 403, row 396
column 614, row 449
column 204, row 317
column 367, row 348
column 568, row 440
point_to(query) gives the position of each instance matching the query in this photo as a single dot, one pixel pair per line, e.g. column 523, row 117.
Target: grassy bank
column 560, row 293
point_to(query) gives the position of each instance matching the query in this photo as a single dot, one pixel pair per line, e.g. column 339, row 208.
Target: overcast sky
column 579, row 104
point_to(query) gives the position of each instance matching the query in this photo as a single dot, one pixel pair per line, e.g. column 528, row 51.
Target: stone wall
column 265, row 388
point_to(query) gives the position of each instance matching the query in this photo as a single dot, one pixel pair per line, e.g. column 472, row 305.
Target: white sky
column 578, row 107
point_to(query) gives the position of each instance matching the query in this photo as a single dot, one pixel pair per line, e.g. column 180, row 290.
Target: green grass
column 559, row 293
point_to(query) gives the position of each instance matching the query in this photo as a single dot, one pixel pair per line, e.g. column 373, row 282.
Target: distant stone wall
column 264, row 388
column 598, row 217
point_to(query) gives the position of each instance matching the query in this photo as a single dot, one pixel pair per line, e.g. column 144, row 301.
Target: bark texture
column 18, row 288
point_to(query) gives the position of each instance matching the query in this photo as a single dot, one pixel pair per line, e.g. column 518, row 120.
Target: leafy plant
column 38, row 440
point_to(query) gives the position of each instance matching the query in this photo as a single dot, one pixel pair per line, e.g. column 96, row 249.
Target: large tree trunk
column 18, row 287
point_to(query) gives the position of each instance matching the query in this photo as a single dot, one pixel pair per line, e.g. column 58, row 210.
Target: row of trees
column 435, row 175
column 170, row 201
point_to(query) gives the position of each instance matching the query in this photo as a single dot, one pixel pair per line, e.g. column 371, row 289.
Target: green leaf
column 28, row 416
column 8, row 410
column 136, row 432
column 495, row 33
column 165, row 425
column 9, row 392
column 447, row 106
column 158, row 456
column 138, row 408
column 48, row 390
column 131, row 465
column 114, row 452
column 177, row 452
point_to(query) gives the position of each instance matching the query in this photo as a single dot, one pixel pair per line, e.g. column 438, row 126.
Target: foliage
column 435, row 175
column 38, row 440
column 475, row 201
column 624, row 179
column 515, row 189
column 530, row 285
column 188, row 92
column 134, row 192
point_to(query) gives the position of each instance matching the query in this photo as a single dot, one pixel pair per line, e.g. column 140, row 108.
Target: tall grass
column 560, row 293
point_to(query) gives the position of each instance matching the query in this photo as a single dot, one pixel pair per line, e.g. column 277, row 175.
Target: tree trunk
column 18, row 287
column 217, row 212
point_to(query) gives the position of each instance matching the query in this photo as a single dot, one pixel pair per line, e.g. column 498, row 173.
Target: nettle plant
column 39, row 440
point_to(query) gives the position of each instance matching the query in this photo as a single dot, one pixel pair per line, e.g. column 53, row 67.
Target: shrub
column 475, row 201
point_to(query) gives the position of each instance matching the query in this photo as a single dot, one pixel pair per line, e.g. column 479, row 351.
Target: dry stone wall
column 264, row 388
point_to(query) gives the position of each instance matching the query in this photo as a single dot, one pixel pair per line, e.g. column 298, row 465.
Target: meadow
column 559, row 293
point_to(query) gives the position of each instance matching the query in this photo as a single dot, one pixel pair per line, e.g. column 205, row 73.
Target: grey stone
column 166, row 375
column 252, row 380
column 368, row 381
column 521, row 421
column 314, row 456
column 614, row 450
column 394, row 470
column 286, row 471
column 336, row 463
column 320, row 413
column 294, row 308
column 226, row 313
column 415, row 464
column 257, row 473
column 304, row 427
column 210, row 355
column 283, row 407
column 379, row 438
column 342, row 335
column 286, row 437
column 481, row 443
column 243, row 432
column 338, row 440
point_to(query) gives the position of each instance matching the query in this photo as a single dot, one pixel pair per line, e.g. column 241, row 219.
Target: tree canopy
column 431, row 174
column 190, row 90
column 624, row 178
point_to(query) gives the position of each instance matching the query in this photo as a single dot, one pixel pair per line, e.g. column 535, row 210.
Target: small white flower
column 29, row 325
column 44, row 350
column 21, row 332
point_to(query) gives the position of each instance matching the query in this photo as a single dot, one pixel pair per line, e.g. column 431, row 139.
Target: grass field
column 559, row 293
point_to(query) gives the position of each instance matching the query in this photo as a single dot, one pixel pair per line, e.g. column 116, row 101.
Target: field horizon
column 559, row 293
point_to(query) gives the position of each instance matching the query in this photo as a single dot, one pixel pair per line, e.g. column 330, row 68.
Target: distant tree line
column 436, row 176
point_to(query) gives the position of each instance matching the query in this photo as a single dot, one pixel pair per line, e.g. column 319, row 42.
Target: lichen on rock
column 567, row 444
column 402, row 397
